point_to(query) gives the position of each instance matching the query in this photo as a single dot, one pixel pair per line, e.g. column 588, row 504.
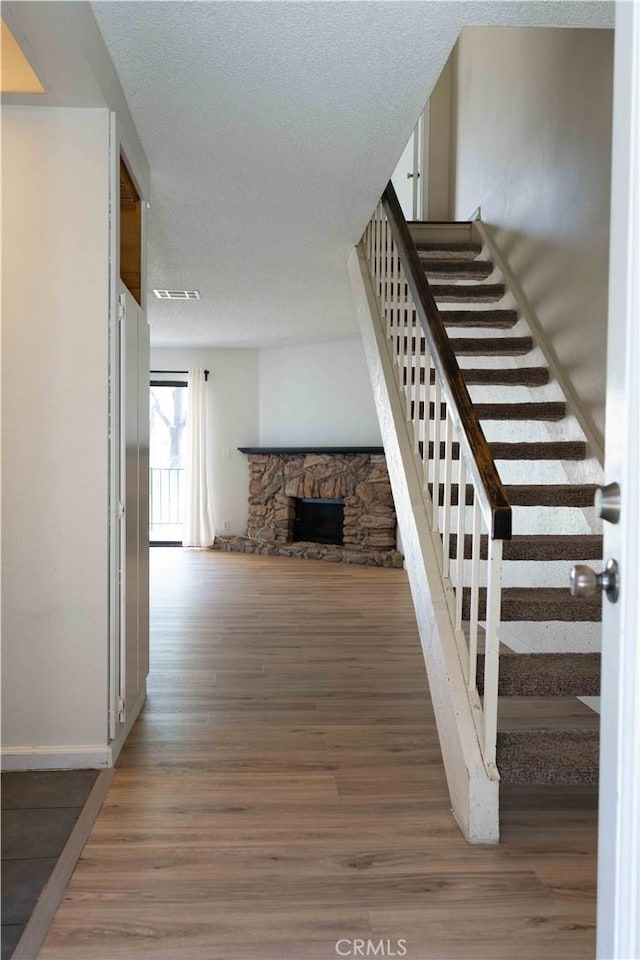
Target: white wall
column 438, row 164
column 68, row 52
column 531, row 145
column 232, row 421
column 318, row 394
column 55, row 263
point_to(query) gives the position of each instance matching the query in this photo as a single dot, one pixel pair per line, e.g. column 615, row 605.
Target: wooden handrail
column 488, row 485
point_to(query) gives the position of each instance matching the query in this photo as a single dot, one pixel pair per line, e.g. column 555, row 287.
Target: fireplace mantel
column 292, row 451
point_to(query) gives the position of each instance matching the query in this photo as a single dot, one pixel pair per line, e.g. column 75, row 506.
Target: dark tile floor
column 39, row 810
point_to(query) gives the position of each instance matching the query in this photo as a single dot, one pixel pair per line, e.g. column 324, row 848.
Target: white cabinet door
column 129, row 468
column 130, row 398
column 143, row 498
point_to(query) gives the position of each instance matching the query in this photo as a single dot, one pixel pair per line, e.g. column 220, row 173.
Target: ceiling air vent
column 177, row 294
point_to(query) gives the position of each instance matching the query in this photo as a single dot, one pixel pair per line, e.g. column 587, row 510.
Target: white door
column 408, row 177
column 619, row 818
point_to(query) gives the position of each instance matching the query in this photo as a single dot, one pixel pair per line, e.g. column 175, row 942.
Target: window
column 166, row 460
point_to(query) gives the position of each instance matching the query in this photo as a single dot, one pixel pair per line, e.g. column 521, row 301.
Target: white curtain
column 197, row 530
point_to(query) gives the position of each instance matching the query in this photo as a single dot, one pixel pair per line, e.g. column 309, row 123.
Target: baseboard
column 65, row 757
column 116, row 745
column 72, row 756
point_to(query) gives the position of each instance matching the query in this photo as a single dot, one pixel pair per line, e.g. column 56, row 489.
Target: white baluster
column 476, row 538
column 492, row 649
column 396, row 296
column 415, row 400
column 436, row 452
column 448, row 455
column 460, row 534
column 374, row 259
column 402, row 338
column 411, row 352
column 383, row 244
column 415, row 389
column 381, row 272
column 388, row 268
column 427, row 424
column 378, row 255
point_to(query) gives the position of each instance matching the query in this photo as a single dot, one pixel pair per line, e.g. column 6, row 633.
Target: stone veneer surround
column 278, row 478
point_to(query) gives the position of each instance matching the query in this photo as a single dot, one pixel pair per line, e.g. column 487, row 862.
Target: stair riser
column 552, row 637
column 522, row 574
column 540, row 522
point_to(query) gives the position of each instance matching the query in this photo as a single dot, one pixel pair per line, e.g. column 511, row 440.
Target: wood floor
column 283, row 790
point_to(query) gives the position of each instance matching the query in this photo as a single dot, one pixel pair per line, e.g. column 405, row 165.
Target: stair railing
column 444, row 428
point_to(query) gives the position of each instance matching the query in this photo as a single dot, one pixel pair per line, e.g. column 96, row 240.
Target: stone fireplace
column 287, row 483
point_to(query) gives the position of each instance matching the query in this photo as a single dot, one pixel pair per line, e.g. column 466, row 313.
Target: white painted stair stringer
column 473, row 789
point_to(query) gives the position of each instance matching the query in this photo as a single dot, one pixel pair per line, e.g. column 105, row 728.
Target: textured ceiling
column 271, row 129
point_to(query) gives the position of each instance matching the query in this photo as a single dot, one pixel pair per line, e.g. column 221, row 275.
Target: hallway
column 283, row 790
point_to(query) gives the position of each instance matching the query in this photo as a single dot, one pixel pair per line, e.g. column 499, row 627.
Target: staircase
column 490, row 582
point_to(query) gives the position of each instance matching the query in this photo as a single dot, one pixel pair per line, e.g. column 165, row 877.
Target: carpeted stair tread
column 545, row 410
column 534, row 495
column 538, row 450
column 545, row 675
column 548, row 756
column 444, row 249
column 538, row 547
column 499, row 319
column 467, row 292
column 552, row 450
column 453, row 269
column 536, row 604
column 518, row 376
column 477, row 346
column 491, row 346
column 552, row 495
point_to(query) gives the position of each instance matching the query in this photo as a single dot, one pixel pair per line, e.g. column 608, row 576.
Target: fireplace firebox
column 319, row 520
